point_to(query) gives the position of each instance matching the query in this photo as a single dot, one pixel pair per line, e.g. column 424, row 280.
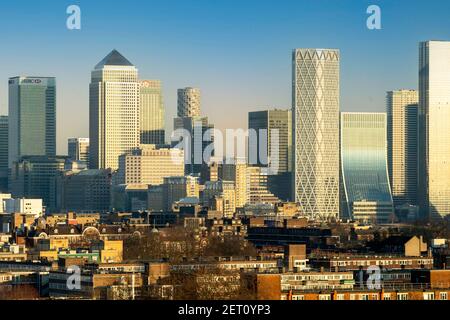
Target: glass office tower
column 152, row 113
column 364, row 168
column 434, row 132
column 279, row 121
column 32, row 117
column 402, row 106
column 33, row 177
column 273, row 147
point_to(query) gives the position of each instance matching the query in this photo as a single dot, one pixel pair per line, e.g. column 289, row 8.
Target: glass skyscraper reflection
column 365, row 176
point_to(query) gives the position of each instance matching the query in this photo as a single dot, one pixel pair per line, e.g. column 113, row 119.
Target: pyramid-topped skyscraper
column 114, row 58
column 113, row 110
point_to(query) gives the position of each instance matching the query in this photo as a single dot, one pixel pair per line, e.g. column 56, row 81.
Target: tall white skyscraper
column 402, row 134
column 188, row 102
column 315, row 90
column 434, row 131
column 114, row 111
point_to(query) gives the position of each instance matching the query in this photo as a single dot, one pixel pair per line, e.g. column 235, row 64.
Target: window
column 325, row 297
column 428, row 296
column 387, row 296
column 340, row 296
column 402, row 296
column 298, row 297
column 363, row 297
column 443, row 296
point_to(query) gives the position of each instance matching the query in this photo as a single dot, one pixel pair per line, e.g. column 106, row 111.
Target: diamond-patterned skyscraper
column 316, row 131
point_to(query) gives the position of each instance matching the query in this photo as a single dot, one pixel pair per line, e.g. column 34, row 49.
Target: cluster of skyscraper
column 126, row 123
column 115, row 115
column 360, row 166
column 399, row 158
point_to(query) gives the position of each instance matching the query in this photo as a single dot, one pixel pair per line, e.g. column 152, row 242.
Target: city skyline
column 117, row 101
column 234, row 150
column 366, row 73
column 123, row 106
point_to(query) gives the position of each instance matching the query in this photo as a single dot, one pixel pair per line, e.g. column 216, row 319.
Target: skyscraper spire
column 114, row 58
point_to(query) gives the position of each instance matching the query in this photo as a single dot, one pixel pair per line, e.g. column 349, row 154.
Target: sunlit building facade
column 237, row 172
column 316, row 131
column 258, row 188
column 113, row 111
column 4, row 153
column 365, row 176
column 434, row 132
column 270, row 145
column 402, row 122
column 220, row 195
column 152, row 113
column 188, row 102
column 150, row 165
column 273, row 148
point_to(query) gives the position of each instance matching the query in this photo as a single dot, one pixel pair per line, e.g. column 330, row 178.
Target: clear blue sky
column 238, row 52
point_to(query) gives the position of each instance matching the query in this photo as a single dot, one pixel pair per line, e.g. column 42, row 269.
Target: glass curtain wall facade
column 152, row 113
column 364, row 168
column 434, row 132
column 278, row 122
column 32, row 117
column 402, row 108
column 273, row 147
